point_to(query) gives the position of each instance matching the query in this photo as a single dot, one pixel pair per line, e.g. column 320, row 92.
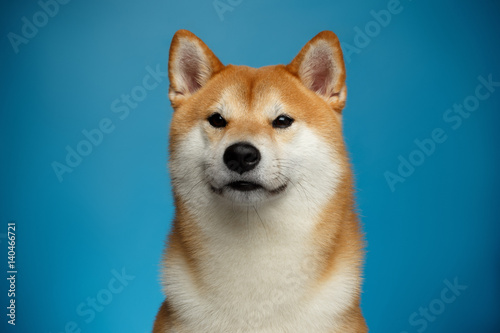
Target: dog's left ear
column 320, row 67
column 190, row 65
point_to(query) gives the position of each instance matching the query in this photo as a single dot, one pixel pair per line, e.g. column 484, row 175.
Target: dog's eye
column 216, row 120
column 282, row 121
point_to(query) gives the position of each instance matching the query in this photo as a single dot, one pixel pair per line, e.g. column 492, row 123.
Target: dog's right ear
column 190, row 65
column 320, row 67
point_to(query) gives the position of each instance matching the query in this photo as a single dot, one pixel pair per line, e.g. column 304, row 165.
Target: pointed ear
column 320, row 67
column 190, row 65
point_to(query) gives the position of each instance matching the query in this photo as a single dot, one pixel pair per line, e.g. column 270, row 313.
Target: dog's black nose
column 241, row 157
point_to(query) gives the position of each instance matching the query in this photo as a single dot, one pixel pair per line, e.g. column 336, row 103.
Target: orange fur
column 336, row 243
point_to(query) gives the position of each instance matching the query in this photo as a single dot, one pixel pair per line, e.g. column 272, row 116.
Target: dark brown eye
column 282, row 121
column 217, row 121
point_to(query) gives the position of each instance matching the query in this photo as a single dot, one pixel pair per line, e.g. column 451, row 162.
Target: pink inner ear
column 190, row 68
column 320, row 81
column 190, row 72
column 318, row 70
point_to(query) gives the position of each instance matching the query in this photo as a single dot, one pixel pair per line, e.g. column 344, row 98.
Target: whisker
column 262, row 222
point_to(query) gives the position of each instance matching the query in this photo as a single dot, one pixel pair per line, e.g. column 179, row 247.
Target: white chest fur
column 258, row 274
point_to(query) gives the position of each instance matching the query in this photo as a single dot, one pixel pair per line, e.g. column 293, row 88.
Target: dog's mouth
column 244, row 186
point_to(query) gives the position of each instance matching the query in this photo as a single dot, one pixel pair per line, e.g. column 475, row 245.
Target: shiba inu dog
column 266, row 237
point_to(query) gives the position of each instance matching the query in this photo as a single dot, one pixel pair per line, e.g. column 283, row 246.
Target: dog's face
column 248, row 136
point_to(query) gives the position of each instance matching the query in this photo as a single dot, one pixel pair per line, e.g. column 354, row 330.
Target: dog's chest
column 259, row 283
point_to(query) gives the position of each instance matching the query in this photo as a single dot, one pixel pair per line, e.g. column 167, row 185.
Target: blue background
column 113, row 211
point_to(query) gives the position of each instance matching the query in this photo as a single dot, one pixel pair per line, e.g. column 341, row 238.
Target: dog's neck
column 287, row 231
column 236, row 257
column 289, row 218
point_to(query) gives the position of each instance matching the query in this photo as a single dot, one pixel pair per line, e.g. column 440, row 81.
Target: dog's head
column 247, row 135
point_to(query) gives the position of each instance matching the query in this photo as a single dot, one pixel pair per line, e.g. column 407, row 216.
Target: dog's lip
column 245, row 186
column 279, row 189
